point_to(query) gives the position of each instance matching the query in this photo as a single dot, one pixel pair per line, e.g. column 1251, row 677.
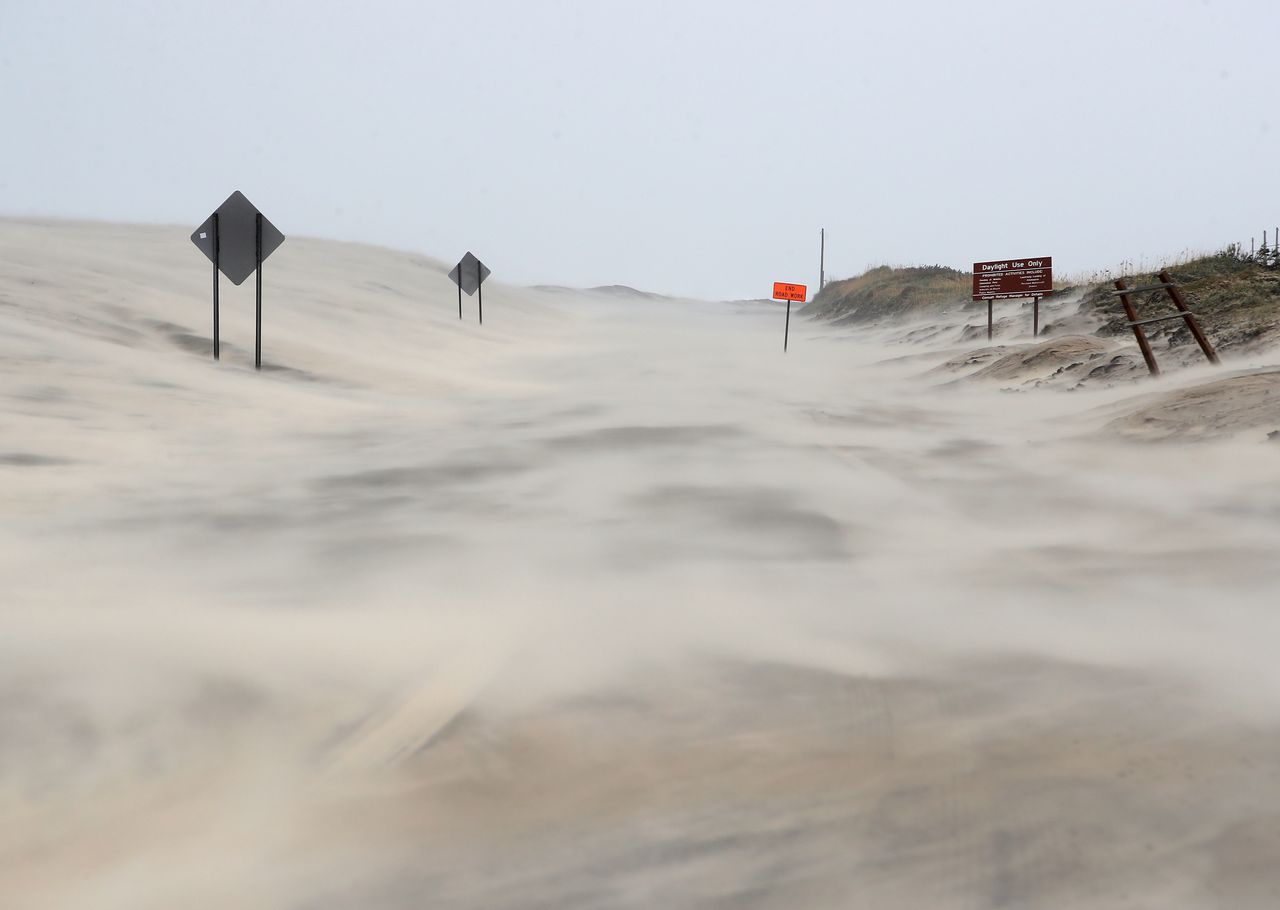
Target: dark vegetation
column 889, row 293
column 1236, row 297
column 1237, row 301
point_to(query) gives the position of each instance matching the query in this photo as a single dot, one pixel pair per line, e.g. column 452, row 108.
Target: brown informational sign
column 784, row 291
column 1004, row 279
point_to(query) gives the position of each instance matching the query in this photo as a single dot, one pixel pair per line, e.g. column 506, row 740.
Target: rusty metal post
column 1143, row 344
column 1035, row 318
column 1176, row 293
column 989, row 304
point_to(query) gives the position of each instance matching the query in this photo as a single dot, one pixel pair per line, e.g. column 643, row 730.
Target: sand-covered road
column 608, row 603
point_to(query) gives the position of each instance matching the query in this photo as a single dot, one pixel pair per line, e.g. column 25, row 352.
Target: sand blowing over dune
column 607, row 603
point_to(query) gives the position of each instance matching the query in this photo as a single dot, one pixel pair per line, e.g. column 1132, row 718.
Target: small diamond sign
column 237, row 236
column 469, row 273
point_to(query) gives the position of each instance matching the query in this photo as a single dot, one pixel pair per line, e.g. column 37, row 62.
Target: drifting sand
column 607, row 604
column 1213, row 409
column 1071, row 356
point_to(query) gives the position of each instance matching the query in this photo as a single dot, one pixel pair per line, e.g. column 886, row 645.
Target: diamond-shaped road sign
column 468, row 273
column 237, row 238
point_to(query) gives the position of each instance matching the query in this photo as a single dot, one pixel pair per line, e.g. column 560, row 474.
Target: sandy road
column 610, row 604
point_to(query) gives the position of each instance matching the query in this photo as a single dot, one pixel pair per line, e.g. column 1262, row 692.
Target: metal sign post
column 257, row 321
column 788, row 292
column 469, row 275
column 237, row 238
column 215, row 285
column 1010, row 279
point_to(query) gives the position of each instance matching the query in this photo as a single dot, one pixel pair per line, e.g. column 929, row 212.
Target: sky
column 692, row 148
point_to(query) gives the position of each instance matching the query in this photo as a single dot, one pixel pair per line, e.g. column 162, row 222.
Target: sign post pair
column 788, row 292
column 1008, row 279
column 469, row 275
column 237, row 238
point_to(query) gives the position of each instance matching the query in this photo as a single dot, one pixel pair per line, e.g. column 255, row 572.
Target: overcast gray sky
column 685, row 147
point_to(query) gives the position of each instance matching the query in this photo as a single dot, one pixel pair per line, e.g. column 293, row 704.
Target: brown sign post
column 1009, row 279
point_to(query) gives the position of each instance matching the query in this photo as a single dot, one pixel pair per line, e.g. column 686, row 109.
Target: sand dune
column 610, row 603
column 1067, row 358
column 1220, row 408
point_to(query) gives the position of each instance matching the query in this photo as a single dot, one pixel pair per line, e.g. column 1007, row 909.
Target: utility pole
column 822, row 260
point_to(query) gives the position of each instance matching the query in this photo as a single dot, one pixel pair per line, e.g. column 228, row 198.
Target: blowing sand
column 609, row 603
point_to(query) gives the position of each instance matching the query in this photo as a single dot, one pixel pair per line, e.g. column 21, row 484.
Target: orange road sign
column 784, row 291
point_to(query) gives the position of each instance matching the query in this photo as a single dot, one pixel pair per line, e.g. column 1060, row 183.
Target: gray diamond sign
column 469, row 273
column 237, row 233
column 238, row 239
